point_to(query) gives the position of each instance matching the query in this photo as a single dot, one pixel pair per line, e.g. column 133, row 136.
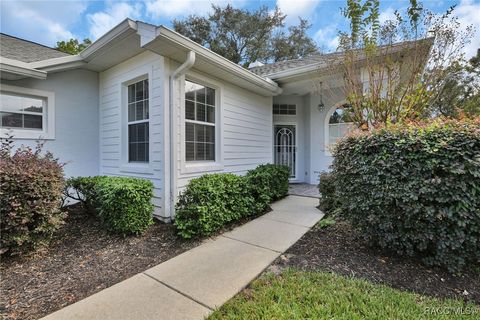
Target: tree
column 292, row 45
column 461, row 94
column 72, row 46
column 387, row 82
column 244, row 36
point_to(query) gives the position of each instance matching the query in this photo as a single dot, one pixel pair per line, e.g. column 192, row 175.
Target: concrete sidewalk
column 191, row 285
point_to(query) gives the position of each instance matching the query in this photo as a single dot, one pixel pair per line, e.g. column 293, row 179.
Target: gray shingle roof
column 291, row 64
column 26, row 51
column 332, row 58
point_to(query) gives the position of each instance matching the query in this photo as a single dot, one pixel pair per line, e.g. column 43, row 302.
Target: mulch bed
column 337, row 249
column 82, row 259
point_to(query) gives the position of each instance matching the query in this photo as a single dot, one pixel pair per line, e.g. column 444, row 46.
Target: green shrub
column 268, row 182
column 329, row 201
column 415, row 189
column 211, row 201
column 31, row 185
column 83, row 190
column 123, row 204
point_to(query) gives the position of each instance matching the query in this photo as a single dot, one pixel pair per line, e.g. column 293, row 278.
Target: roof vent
column 255, row 64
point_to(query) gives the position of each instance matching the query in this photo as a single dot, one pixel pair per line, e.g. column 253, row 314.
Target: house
column 146, row 102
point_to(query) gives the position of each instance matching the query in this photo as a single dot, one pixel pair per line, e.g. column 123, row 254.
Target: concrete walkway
column 191, row 285
column 304, row 190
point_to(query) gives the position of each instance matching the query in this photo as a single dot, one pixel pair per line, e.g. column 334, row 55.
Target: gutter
column 216, row 59
column 20, row 68
column 181, row 70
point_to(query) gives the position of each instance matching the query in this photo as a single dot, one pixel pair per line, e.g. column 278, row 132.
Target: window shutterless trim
column 145, row 141
column 48, row 114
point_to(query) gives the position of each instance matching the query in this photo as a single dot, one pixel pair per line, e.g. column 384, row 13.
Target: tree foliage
column 73, row 46
column 387, row 82
column 244, row 36
column 461, row 93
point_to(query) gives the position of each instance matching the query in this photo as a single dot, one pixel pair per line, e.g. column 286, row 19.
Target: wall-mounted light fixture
column 321, row 105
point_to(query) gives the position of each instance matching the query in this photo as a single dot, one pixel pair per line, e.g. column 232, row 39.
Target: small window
column 199, row 122
column 138, row 122
column 22, row 112
column 285, row 109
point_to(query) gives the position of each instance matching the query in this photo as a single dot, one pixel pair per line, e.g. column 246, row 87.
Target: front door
column 285, row 150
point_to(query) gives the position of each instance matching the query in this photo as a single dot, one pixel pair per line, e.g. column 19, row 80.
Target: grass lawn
column 318, row 295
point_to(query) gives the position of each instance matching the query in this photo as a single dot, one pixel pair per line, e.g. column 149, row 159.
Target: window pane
column 209, row 134
column 146, row 110
column 11, row 102
column 190, row 151
column 141, row 152
column 211, row 114
column 200, row 151
column 189, row 132
column 13, row 120
column 31, row 121
column 139, row 111
column 138, row 137
column 132, row 152
column 139, row 90
column 201, row 97
column 189, row 110
column 201, row 112
column 199, row 133
column 131, row 112
column 145, row 89
column 210, row 96
column 190, row 88
column 210, row 152
column 131, row 93
column 132, row 133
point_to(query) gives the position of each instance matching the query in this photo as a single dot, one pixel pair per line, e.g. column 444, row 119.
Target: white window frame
column 126, row 166
column 138, row 122
column 206, row 165
column 48, row 115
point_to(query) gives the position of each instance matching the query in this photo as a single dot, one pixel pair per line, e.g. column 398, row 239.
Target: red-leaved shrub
column 31, row 186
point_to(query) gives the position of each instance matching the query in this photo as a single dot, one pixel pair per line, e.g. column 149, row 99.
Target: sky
column 47, row 22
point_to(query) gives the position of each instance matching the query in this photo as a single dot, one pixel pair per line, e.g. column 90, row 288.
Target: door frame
column 287, row 123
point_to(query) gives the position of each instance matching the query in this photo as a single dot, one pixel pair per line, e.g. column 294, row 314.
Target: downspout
column 174, row 76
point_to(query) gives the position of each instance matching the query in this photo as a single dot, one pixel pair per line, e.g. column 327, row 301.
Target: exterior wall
column 301, row 131
column 243, row 130
column 76, row 119
column 113, row 122
column 320, row 156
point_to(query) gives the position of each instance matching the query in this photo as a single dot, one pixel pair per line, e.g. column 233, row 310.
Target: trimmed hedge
column 415, row 189
column 31, row 185
column 329, row 201
column 210, row 202
column 123, row 204
column 268, row 182
column 213, row 200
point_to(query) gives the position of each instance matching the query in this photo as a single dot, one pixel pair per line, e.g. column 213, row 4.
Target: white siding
column 76, row 119
column 244, row 130
column 113, row 125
